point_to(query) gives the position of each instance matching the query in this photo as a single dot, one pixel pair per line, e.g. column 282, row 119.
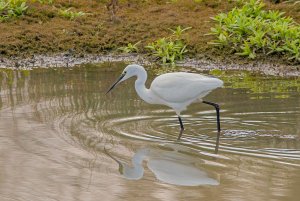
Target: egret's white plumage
column 180, row 89
column 176, row 90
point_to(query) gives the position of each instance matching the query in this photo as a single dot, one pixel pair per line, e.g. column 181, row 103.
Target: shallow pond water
column 62, row 138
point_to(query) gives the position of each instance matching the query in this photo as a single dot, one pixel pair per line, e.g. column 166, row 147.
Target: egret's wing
column 181, row 87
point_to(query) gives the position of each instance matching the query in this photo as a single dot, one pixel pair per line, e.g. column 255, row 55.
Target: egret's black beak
column 118, row 80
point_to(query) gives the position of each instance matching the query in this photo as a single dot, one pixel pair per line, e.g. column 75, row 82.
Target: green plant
column 179, row 31
column 250, row 31
column 3, row 7
column 247, row 51
column 171, row 48
column 130, row 48
column 71, row 15
column 44, row 1
column 293, row 47
column 12, row 8
column 17, row 7
column 196, row 1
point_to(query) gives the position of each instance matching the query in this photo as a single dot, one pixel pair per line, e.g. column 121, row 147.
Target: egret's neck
column 137, row 171
column 140, row 87
column 139, row 156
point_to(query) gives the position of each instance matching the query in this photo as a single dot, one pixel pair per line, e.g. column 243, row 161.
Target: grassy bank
column 87, row 27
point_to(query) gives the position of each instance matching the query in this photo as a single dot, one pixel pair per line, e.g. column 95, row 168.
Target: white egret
column 176, row 90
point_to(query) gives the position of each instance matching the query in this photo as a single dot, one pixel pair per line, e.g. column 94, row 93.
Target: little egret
column 176, row 90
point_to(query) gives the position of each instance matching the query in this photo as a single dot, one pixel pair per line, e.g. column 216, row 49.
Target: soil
column 41, row 31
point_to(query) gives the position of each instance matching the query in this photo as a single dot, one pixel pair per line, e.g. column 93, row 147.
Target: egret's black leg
column 217, row 107
column 181, row 128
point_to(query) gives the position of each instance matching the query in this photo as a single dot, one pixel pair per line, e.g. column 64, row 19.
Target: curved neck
column 140, row 87
column 137, row 171
column 139, row 156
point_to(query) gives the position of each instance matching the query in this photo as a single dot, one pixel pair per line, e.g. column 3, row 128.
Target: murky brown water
column 55, row 125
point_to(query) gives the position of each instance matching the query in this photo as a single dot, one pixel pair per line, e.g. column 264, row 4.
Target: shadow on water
column 56, row 123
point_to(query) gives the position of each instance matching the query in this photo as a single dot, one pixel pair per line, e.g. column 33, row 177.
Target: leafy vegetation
column 250, row 30
column 96, row 33
column 169, row 49
column 44, row 1
column 15, row 8
column 197, row 1
column 12, row 8
column 69, row 14
column 130, row 48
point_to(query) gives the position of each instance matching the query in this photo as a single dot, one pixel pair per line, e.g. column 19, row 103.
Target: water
column 62, row 138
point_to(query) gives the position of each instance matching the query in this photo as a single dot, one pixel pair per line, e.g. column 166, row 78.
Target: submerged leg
column 217, row 107
column 181, row 128
column 217, row 143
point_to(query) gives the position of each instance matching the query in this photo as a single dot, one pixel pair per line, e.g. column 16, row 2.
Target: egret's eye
column 125, row 72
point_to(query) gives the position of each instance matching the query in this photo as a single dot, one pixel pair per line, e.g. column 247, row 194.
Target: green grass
column 251, row 30
column 16, row 8
column 69, row 14
column 12, row 8
column 169, row 49
column 130, row 48
column 44, row 1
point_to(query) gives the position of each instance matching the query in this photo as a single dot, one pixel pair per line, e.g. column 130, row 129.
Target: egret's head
column 128, row 72
column 134, row 172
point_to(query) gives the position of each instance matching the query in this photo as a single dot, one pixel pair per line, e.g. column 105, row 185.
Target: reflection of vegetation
column 250, row 30
column 170, row 49
column 257, row 83
column 11, row 76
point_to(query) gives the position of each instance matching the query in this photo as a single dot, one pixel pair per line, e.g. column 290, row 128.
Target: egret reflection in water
column 54, row 124
column 169, row 164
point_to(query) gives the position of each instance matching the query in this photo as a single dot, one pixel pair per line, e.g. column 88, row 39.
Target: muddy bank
column 42, row 31
column 68, row 61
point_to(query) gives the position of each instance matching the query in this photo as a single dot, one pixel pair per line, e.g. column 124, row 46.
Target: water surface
column 62, row 138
